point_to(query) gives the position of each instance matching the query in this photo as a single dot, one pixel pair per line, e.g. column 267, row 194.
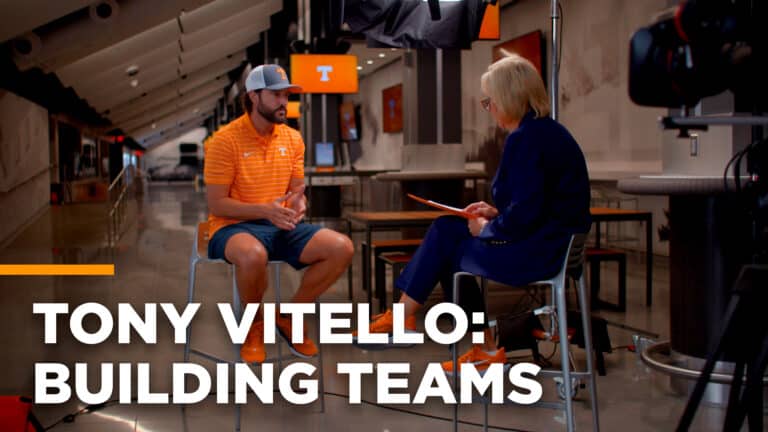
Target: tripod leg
column 751, row 401
column 733, row 414
column 701, row 383
column 754, row 389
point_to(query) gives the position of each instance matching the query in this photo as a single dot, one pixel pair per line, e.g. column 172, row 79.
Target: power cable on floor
column 416, row 413
column 70, row 418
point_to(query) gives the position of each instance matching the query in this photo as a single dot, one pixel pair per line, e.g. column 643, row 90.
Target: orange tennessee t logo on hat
column 282, row 73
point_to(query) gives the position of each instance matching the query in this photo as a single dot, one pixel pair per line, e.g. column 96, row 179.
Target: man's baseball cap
column 271, row 77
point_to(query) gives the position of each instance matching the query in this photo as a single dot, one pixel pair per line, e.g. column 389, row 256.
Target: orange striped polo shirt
column 257, row 168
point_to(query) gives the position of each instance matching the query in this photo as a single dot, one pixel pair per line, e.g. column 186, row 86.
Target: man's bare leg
column 250, row 260
column 328, row 254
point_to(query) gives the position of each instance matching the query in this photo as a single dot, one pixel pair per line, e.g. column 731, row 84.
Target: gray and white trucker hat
column 271, row 77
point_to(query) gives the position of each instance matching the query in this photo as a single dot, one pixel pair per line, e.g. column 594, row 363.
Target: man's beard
column 271, row 116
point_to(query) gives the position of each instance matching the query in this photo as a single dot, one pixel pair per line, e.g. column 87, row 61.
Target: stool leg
column 594, row 283
column 237, row 306
column 321, row 377
column 562, row 323
column 623, row 284
column 350, row 293
column 276, row 283
column 586, row 324
column 484, row 293
column 455, row 352
column 190, row 299
column 364, row 268
column 238, row 417
column 455, row 359
column 380, row 277
column 238, row 310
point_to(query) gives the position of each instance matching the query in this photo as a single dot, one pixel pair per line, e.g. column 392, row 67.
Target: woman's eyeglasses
column 486, row 103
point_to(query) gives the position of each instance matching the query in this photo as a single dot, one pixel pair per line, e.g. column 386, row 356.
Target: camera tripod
column 744, row 339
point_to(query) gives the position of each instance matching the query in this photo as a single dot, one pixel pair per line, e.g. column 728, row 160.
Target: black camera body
column 707, row 47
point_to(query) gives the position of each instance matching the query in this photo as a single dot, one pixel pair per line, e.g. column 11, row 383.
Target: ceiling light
column 134, row 83
column 369, row 62
column 132, row 70
column 359, row 68
column 382, row 55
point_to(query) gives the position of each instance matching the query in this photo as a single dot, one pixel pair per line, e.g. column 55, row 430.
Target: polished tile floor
column 151, row 267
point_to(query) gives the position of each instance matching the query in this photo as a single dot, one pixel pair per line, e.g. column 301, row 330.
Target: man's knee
column 344, row 249
column 331, row 245
column 338, row 247
column 249, row 256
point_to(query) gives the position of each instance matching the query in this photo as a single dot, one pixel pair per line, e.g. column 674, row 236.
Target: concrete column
column 420, row 86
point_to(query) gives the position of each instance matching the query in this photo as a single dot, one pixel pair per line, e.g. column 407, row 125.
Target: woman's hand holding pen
column 476, row 225
column 482, row 209
column 484, row 212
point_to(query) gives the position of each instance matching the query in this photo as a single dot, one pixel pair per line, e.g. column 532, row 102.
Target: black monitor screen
column 325, row 154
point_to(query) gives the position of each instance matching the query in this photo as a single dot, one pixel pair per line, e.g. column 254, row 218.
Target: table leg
column 308, row 214
column 597, row 234
column 350, row 293
column 367, row 264
column 359, row 204
column 380, row 281
column 649, row 260
column 594, row 284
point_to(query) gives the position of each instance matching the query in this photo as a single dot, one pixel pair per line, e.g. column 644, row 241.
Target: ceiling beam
column 181, row 86
column 183, row 113
column 186, row 100
column 76, row 40
column 22, row 16
column 171, row 134
column 214, row 86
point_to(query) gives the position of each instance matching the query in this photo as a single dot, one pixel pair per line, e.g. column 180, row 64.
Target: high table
column 386, row 221
column 600, row 214
column 333, row 177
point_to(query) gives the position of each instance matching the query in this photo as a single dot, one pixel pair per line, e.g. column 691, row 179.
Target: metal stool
column 573, row 267
column 200, row 254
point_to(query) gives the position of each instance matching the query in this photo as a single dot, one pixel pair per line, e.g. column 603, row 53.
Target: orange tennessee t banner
column 324, row 73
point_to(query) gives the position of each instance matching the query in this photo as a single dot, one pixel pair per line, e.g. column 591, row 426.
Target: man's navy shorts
column 281, row 245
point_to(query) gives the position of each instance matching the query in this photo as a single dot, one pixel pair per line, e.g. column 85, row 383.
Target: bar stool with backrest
column 573, row 268
column 200, row 254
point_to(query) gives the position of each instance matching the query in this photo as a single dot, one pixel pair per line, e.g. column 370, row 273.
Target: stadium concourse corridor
column 151, row 264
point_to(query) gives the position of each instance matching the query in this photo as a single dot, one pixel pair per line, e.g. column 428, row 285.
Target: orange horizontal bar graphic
column 57, row 269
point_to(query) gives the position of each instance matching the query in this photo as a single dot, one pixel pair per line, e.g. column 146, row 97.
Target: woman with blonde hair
column 541, row 197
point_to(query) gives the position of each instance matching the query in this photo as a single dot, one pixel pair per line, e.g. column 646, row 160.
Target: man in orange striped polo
column 254, row 172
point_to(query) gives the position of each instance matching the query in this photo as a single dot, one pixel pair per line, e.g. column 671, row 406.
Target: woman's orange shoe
column 477, row 356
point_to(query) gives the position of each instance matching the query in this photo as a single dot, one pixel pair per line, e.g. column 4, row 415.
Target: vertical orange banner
column 489, row 29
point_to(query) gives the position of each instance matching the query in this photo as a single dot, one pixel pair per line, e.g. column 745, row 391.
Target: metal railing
column 118, row 194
